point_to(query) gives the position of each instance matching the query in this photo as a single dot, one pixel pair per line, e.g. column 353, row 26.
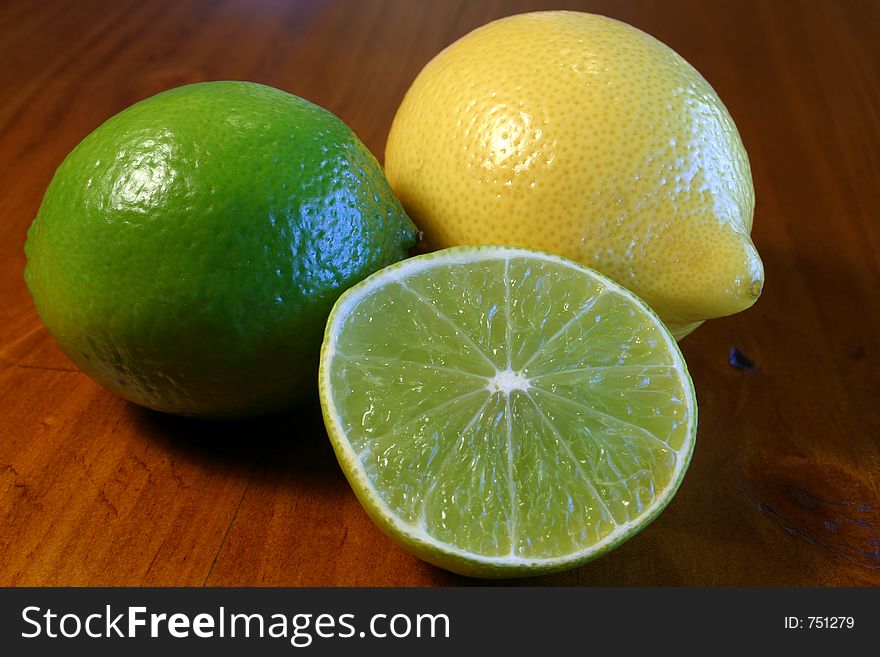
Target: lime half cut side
column 505, row 412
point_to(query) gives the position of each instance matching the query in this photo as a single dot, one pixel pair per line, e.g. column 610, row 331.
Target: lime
column 583, row 136
column 501, row 411
column 188, row 251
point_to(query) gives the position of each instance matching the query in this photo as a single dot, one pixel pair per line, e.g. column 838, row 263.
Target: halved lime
column 501, row 411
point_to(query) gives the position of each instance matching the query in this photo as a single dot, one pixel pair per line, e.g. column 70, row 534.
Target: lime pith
column 502, row 412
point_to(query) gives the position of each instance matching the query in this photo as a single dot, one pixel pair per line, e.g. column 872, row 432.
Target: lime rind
column 604, row 527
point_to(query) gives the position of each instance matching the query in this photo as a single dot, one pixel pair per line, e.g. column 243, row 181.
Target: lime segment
column 501, row 411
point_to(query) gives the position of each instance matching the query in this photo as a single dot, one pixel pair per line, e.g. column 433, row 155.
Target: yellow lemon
column 581, row 135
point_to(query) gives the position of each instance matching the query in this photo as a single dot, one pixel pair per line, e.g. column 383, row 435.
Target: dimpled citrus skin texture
column 187, row 252
column 583, row 136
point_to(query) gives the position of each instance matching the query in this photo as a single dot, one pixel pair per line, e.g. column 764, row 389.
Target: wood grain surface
column 784, row 488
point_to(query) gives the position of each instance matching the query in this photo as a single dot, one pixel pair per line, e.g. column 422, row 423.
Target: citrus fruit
column 187, row 252
column 501, row 411
column 581, row 135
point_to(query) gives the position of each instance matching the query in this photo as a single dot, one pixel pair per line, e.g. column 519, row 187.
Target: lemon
column 583, row 136
column 501, row 411
column 187, row 252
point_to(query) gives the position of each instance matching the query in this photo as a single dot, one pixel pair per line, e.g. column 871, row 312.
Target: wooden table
column 784, row 488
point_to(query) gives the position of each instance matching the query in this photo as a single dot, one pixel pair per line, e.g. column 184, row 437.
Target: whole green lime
column 188, row 251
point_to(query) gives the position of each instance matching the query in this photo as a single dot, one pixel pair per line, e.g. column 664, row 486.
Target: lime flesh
column 502, row 412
